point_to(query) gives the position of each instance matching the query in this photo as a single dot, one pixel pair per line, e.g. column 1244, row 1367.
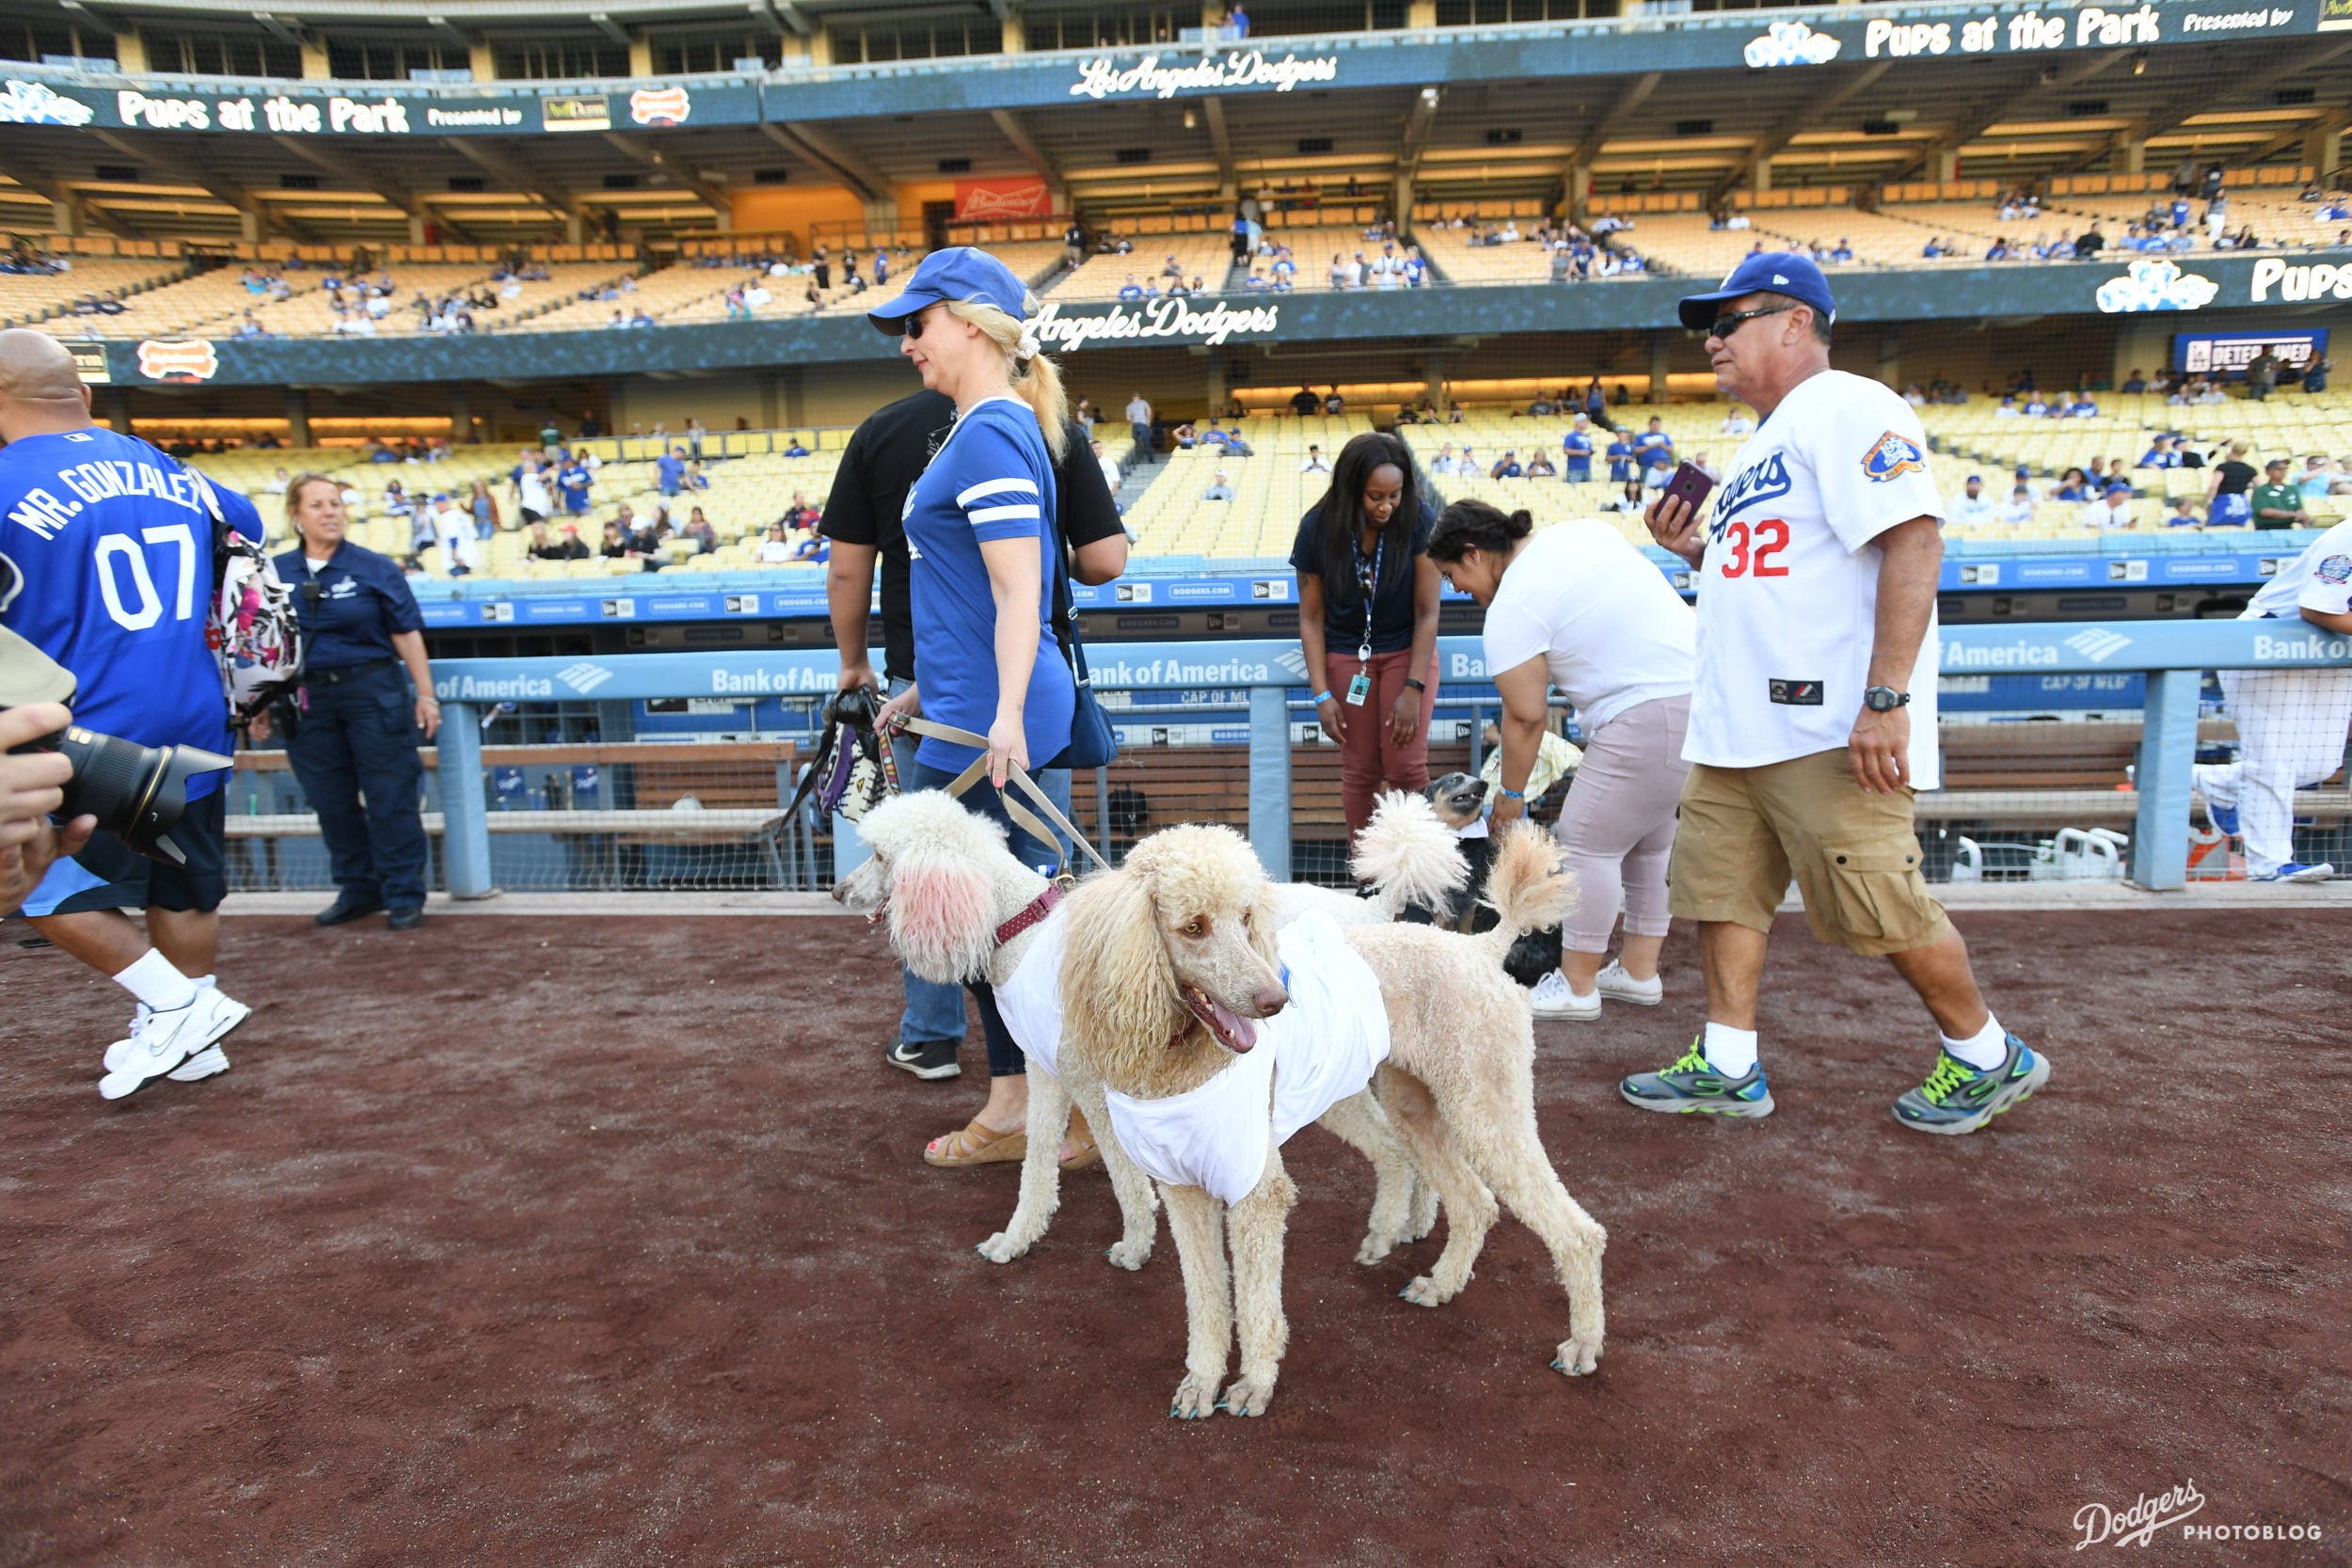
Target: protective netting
column 2039, row 776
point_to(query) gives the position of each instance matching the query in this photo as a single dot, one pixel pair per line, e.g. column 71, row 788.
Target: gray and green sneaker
column 1692, row 1084
column 1958, row 1098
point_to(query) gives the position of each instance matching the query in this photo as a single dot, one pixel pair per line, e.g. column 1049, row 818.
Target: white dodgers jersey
column 1787, row 590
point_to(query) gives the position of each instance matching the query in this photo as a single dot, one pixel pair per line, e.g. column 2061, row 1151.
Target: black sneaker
column 925, row 1059
column 343, row 912
column 407, row 919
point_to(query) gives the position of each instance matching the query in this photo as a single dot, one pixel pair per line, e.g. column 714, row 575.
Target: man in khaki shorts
column 1813, row 712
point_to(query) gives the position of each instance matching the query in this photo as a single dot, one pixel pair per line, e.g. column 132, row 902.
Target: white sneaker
column 1552, row 999
column 204, row 1064
column 1615, row 984
column 162, row 1042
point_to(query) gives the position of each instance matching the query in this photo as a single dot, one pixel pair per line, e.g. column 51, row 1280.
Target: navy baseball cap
column 1777, row 272
column 958, row 273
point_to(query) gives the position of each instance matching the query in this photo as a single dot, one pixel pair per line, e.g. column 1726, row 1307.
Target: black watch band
column 1417, row 685
column 1885, row 699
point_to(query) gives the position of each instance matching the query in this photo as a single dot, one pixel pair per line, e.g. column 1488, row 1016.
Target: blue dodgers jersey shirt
column 113, row 544
column 992, row 479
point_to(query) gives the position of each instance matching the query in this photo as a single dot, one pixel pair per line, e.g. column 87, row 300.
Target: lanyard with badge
column 1360, row 687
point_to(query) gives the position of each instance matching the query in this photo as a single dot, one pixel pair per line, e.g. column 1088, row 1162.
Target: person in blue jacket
column 982, row 561
column 365, row 700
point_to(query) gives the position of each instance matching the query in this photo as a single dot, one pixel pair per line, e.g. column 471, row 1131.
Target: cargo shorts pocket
column 1877, row 895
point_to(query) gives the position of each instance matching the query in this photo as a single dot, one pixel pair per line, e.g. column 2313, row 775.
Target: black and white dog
column 1460, row 803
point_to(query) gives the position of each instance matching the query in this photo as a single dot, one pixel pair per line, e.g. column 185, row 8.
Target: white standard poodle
column 960, row 907
column 1172, row 964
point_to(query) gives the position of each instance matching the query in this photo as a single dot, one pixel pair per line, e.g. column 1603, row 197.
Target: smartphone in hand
column 1690, row 486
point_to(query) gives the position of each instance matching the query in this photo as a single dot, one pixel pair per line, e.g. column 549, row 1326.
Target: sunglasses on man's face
column 1727, row 324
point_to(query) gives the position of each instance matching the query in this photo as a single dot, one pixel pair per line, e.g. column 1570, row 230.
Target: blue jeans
column 1004, row 1057
column 934, row 1010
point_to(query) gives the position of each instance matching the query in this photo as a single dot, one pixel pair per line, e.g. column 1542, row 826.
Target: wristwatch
column 1885, row 699
column 1416, row 685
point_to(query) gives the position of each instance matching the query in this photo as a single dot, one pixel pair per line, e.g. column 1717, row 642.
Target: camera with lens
column 137, row 793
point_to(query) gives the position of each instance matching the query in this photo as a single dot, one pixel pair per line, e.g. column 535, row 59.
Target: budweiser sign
column 192, row 359
column 997, row 200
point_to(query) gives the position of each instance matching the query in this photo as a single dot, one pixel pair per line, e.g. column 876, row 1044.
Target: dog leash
column 1022, row 817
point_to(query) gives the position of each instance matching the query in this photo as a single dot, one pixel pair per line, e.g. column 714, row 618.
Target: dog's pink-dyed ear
column 941, row 918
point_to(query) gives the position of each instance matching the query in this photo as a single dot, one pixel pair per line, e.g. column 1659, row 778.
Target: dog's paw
column 1248, row 1396
column 1196, row 1398
column 1576, row 1357
column 1001, row 1248
column 1426, row 1292
column 1129, row 1254
column 1377, row 1246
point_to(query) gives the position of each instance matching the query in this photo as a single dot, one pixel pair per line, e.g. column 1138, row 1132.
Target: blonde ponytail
column 1036, row 379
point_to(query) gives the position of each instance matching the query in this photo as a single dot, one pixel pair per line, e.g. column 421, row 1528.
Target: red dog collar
column 1035, row 914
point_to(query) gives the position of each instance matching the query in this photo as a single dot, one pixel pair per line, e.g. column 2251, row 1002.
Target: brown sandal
column 1087, row 1153
column 975, row 1145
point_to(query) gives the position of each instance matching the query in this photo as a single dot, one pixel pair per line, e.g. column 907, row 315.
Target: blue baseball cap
column 2119, row 487
column 1777, row 271
column 958, row 273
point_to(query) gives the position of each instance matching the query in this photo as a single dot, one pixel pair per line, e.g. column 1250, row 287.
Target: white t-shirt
column 1611, row 631
column 1030, row 1001
column 2099, row 514
column 1315, row 1052
column 530, row 490
column 2320, row 579
column 1972, row 511
column 1789, row 586
column 1109, row 465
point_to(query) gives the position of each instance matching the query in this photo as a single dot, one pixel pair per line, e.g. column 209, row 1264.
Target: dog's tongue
column 1234, row 1032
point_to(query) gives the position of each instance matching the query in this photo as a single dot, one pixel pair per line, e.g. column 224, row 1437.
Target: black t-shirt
column 1342, row 601
column 887, row 455
column 2236, row 477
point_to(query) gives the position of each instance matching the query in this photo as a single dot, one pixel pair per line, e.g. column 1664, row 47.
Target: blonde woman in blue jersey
column 981, row 555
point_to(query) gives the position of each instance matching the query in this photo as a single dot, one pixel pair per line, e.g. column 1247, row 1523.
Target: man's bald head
column 40, row 391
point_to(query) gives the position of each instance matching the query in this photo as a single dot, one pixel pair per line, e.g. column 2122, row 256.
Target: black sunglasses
column 911, row 326
column 1729, row 323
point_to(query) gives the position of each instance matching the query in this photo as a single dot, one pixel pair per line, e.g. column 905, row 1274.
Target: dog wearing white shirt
column 960, row 907
column 1175, row 980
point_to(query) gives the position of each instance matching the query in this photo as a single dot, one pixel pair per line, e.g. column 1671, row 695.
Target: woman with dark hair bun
column 1368, row 620
column 1578, row 608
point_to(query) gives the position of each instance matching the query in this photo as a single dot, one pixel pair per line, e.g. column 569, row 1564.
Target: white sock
column 1729, row 1051
column 1985, row 1050
column 155, row 981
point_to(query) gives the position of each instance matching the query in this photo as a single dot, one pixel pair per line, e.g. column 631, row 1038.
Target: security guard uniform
column 356, row 734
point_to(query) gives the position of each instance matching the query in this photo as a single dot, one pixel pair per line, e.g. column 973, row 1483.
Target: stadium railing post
column 2168, row 749
column 464, row 816
column 1270, row 779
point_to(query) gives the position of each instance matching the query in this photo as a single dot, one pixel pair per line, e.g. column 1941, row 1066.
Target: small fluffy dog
column 949, row 887
column 1172, row 960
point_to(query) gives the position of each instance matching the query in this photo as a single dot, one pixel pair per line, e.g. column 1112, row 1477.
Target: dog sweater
column 1322, row 1048
column 1030, row 1001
